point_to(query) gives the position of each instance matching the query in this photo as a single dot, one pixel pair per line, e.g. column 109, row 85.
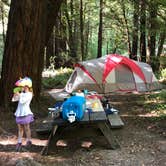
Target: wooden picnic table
column 105, row 122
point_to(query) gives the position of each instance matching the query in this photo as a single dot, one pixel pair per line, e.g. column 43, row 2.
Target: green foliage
column 158, row 108
column 161, row 117
column 155, row 104
column 157, row 96
column 57, row 81
column 163, row 73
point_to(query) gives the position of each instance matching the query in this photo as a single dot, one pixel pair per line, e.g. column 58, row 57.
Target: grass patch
column 158, row 118
column 155, row 104
column 161, row 96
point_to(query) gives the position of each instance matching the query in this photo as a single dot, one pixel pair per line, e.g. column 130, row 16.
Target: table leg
column 45, row 148
column 105, row 129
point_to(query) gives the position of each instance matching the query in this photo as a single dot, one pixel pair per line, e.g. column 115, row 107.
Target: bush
column 163, row 74
column 57, row 79
column 157, row 103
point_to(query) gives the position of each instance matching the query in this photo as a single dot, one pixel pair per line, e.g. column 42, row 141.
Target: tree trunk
column 49, row 51
column 82, row 30
column 52, row 13
column 135, row 30
column 99, row 51
column 127, row 29
column 3, row 21
column 53, row 7
column 24, row 47
column 143, row 30
column 87, row 32
column 152, row 59
column 57, row 43
column 161, row 42
column 72, row 41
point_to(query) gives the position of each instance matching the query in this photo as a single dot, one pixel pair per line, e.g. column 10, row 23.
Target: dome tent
column 112, row 73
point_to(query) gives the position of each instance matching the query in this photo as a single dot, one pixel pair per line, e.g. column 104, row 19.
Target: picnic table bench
column 105, row 122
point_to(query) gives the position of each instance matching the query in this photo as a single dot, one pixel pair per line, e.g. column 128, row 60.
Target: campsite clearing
column 142, row 140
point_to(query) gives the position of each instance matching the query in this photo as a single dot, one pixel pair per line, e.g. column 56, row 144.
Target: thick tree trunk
column 23, row 55
column 24, row 47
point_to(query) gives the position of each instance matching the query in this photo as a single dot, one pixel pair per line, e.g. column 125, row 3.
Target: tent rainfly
column 112, row 73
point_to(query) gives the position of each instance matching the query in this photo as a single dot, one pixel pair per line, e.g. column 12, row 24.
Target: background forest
column 53, row 34
column 41, row 38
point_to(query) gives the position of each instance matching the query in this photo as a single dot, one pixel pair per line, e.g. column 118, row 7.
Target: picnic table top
column 97, row 115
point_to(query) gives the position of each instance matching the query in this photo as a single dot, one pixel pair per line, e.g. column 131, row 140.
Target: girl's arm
column 25, row 97
column 16, row 97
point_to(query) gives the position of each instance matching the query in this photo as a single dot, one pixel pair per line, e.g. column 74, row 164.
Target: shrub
column 163, row 74
column 55, row 79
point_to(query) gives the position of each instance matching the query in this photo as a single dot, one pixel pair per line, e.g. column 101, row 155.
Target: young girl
column 24, row 115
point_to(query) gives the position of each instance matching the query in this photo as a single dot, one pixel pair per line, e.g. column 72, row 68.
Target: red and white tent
column 112, row 73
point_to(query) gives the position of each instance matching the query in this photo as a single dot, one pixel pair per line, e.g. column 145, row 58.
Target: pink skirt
column 24, row 119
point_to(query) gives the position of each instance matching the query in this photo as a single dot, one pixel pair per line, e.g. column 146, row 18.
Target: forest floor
column 142, row 140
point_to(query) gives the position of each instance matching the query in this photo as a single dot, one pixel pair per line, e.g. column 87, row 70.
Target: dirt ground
column 142, row 140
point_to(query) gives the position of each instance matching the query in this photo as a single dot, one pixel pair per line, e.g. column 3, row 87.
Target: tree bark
column 87, row 32
column 143, row 30
column 3, row 21
column 53, row 7
column 82, row 29
column 100, row 35
column 24, row 47
column 152, row 59
column 135, row 30
column 127, row 29
column 72, row 40
column 49, row 52
column 161, row 42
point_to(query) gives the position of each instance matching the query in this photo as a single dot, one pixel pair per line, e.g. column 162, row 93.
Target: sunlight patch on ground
column 22, row 154
column 39, row 142
column 86, row 144
column 8, row 140
column 62, row 143
column 56, row 158
column 149, row 115
column 142, row 115
column 13, row 141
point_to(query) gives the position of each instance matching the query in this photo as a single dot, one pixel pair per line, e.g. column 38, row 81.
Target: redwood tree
column 25, row 41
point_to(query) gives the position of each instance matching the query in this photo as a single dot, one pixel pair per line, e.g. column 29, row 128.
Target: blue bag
column 73, row 108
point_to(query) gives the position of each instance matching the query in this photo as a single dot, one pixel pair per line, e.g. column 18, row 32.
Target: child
column 24, row 115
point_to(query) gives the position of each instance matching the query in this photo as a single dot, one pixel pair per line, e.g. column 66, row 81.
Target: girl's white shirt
column 23, row 108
